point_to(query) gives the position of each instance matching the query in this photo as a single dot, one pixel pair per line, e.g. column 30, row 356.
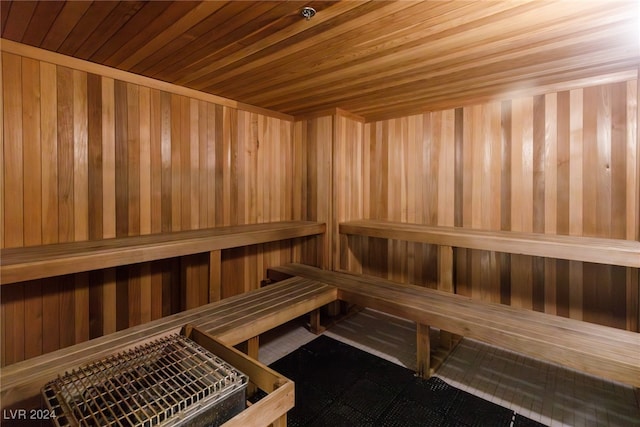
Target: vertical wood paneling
column 66, row 230
column 95, row 176
column 522, row 198
column 80, row 199
column 550, row 197
column 144, row 170
column 49, row 175
column 347, row 189
column 576, row 195
column 633, row 199
column 13, row 157
column 185, row 164
column 31, row 147
column 109, row 287
column 313, row 141
column 114, row 159
column 32, row 200
column 560, row 163
column 89, row 157
column 211, row 164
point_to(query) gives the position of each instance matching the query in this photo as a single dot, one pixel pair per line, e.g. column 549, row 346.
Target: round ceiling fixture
column 308, row 12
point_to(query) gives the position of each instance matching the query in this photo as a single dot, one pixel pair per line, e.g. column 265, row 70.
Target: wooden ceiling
column 372, row 58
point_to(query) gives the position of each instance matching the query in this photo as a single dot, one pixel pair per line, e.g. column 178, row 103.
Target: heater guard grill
column 171, row 381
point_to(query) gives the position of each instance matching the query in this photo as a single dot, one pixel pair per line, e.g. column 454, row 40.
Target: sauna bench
column 37, row 262
column 233, row 320
column 618, row 252
column 602, row 351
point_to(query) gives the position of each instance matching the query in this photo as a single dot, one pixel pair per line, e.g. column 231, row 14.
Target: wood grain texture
column 551, row 165
column 233, row 321
column 589, row 249
column 313, row 140
column 559, row 340
column 88, row 157
column 438, row 56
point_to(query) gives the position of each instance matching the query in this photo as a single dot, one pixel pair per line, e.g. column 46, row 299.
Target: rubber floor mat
column 339, row 385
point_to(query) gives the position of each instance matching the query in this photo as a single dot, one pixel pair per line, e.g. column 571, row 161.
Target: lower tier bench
column 232, row 321
column 598, row 350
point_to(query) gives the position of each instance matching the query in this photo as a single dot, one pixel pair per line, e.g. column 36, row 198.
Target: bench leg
column 314, row 323
column 251, row 348
column 280, row 422
column 423, row 350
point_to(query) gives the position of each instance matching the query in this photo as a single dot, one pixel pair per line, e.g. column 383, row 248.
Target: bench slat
column 37, row 262
column 510, row 319
column 624, row 253
column 231, row 320
column 600, row 350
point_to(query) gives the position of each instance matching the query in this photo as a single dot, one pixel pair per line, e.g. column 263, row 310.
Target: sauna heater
column 169, row 382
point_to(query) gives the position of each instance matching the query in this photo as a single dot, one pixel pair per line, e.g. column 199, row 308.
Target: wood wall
column 92, row 153
column 87, row 155
column 561, row 163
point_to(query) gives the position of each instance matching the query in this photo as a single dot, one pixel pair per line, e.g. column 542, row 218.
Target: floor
column 543, row 392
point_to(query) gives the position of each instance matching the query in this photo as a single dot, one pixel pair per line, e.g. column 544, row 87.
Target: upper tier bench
column 232, row 321
column 36, row 262
column 624, row 253
column 599, row 350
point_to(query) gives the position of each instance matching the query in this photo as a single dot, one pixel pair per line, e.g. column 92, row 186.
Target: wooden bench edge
column 113, row 255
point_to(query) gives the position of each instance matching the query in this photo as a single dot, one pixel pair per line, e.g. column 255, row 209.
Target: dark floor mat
column 339, row 385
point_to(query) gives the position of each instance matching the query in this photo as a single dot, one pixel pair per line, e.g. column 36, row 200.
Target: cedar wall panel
column 313, row 144
column 561, row 163
column 86, row 156
column 348, row 191
column 332, row 182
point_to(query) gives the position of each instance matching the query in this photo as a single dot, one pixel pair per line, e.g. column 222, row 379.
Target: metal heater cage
column 170, row 381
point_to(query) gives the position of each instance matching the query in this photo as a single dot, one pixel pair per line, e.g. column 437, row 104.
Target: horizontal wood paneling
column 562, row 163
column 89, row 156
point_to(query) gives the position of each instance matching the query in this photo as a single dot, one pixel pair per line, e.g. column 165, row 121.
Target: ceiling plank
column 272, row 43
column 465, row 68
column 392, row 55
column 5, row 6
column 373, row 58
column 41, row 21
column 234, row 33
column 86, row 26
column 68, row 17
column 187, row 21
column 127, row 47
column 111, row 23
column 20, row 14
column 235, row 18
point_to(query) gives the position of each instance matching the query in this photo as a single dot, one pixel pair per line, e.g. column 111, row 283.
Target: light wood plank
column 80, row 160
column 31, row 150
column 46, row 261
column 116, row 74
column 599, row 350
column 596, row 250
column 145, row 170
column 13, row 152
column 232, row 321
column 423, row 350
